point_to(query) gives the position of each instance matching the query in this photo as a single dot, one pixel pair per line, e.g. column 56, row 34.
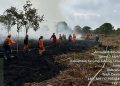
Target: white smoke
column 63, row 28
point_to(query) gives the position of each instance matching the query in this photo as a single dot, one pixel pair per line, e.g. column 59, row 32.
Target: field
column 55, row 66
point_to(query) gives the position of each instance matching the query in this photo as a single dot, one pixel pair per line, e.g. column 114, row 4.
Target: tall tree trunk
column 26, row 31
column 18, row 43
column 26, row 27
column 8, row 32
column 17, row 39
column 8, row 29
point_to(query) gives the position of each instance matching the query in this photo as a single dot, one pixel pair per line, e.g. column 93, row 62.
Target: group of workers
column 62, row 38
column 9, row 42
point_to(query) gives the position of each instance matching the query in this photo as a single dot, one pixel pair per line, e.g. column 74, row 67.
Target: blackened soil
column 32, row 67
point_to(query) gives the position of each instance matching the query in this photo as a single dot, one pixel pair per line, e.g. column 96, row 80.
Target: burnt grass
column 31, row 67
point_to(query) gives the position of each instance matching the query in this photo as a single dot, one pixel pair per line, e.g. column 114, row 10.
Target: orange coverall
column 41, row 45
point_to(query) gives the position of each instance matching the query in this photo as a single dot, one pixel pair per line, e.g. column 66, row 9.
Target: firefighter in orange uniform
column 7, row 46
column 41, row 45
column 54, row 39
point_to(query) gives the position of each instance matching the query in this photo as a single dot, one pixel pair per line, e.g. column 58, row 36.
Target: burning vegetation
column 40, row 62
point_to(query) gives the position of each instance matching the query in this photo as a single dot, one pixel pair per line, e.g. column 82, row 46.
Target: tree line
column 28, row 18
column 106, row 28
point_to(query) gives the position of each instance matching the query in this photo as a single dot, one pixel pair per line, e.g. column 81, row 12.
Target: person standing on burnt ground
column 54, row 39
column 41, row 45
column 70, row 43
column 97, row 38
column 70, row 39
column 7, row 47
column 87, row 36
column 64, row 37
column 60, row 40
column 74, row 37
column 26, row 43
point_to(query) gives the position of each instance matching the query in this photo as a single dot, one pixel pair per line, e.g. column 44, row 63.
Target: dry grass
column 76, row 74
column 111, row 41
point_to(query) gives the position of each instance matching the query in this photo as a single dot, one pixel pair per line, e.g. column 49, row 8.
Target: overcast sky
column 75, row 12
column 91, row 12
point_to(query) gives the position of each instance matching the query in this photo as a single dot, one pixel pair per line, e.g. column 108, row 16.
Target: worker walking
column 26, row 43
column 74, row 37
column 60, row 38
column 64, row 37
column 70, row 38
column 54, row 39
column 97, row 38
column 41, row 45
column 7, row 46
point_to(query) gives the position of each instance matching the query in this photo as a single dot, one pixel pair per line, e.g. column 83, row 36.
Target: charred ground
column 32, row 67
